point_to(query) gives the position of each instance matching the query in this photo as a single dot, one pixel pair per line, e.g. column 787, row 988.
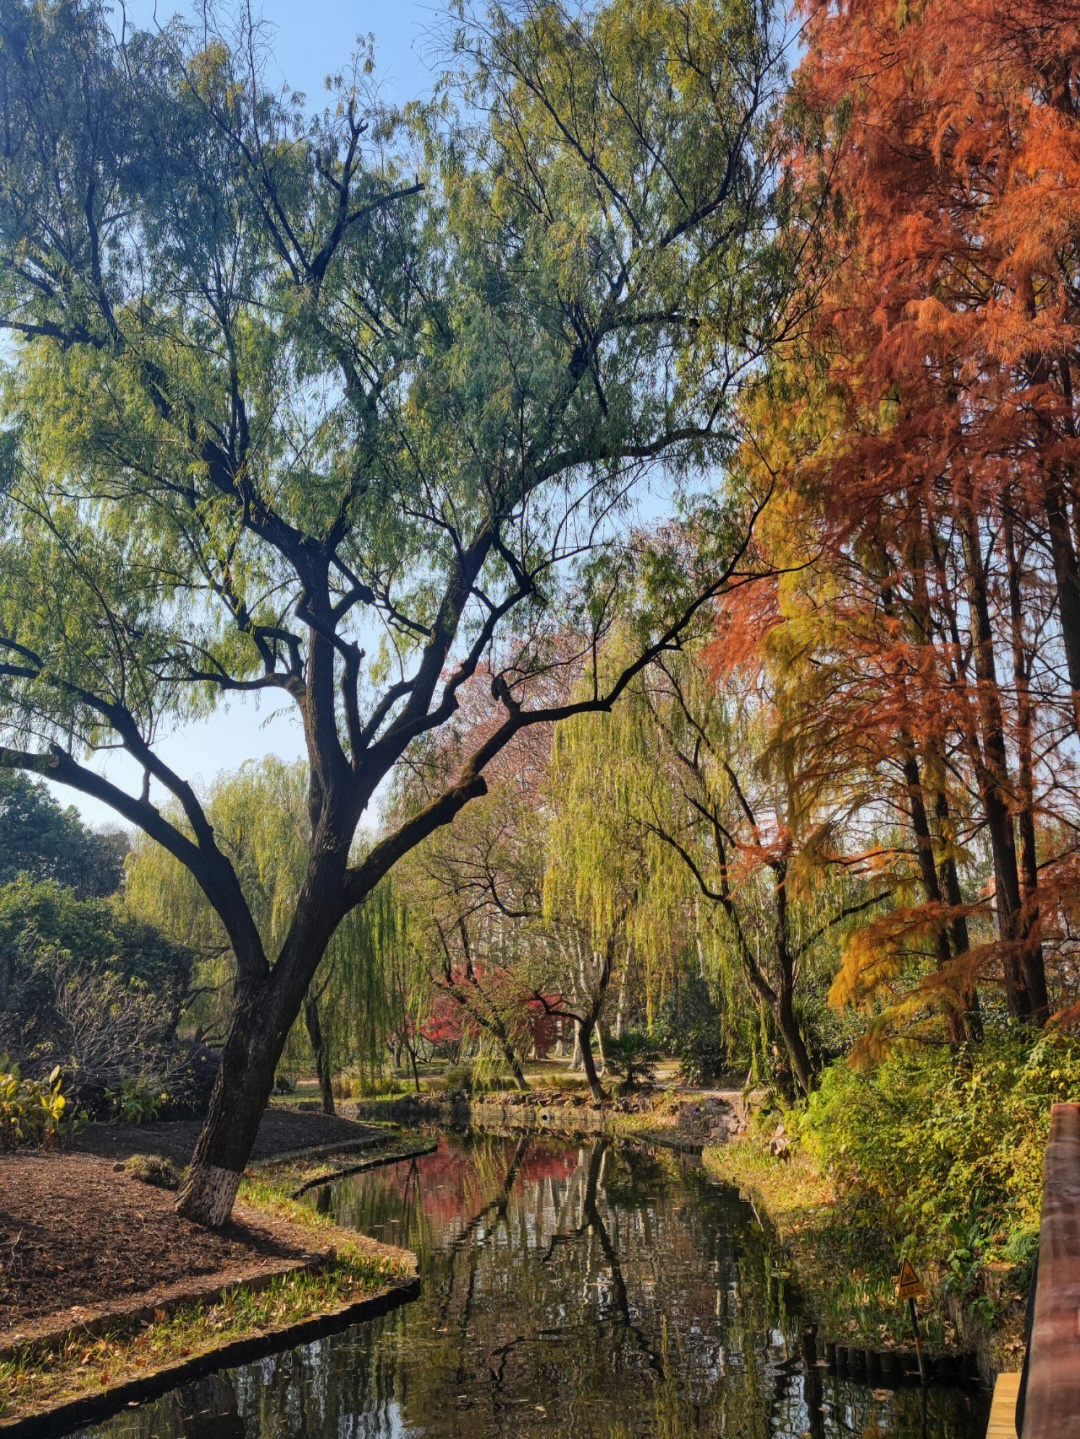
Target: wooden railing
column 1048, row 1406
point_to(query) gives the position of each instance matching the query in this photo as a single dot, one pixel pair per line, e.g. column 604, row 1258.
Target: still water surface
column 567, row 1290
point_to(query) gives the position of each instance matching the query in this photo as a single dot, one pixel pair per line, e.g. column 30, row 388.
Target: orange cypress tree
column 942, row 467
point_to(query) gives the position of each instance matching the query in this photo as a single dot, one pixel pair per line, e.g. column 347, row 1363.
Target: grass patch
column 276, row 1182
column 845, row 1270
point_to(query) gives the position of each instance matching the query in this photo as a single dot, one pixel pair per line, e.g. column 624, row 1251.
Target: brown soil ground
column 74, row 1231
column 77, row 1230
column 281, row 1131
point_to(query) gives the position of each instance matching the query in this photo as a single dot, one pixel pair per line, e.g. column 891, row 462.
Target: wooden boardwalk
column 1003, row 1410
column 1052, row 1407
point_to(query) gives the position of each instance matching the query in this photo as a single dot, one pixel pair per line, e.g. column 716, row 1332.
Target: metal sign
column 908, row 1283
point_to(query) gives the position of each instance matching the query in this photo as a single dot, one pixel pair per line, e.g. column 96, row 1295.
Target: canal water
column 568, row 1289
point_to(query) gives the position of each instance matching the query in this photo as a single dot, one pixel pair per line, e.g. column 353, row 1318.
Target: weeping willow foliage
column 605, row 868
column 260, row 819
column 377, row 992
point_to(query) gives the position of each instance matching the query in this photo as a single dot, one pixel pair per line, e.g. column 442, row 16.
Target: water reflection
column 567, row 1290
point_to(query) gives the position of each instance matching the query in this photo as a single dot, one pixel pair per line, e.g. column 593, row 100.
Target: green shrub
column 366, row 1086
column 474, row 1077
column 692, row 1026
column 135, row 1101
column 633, row 1056
column 948, row 1144
column 31, row 1111
column 460, row 1079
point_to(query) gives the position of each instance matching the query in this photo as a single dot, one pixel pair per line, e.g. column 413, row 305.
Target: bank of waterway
column 570, row 1287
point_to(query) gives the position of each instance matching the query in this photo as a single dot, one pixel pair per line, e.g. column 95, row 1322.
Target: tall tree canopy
column 339, row 406
column 924, row 432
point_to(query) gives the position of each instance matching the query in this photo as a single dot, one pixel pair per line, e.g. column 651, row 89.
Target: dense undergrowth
column 934, row 1155
column 949, row 1144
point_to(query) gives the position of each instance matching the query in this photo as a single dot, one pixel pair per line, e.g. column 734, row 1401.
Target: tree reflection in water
column 572, row 1290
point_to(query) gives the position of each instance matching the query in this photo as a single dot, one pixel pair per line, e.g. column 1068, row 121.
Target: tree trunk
column 620, row 1008
column 575, row 1052
column 321, row 1051
column 471, row 998
column 515, row 1064
column 585, row 1029
column 784, row 1014
column 253, row 1045
column 1067, row 578
column 993, row 782
column 1032, row 960
column 782, row 1000
column 262, row 1015
column 955, row 1025
column 958, row 925
column 924, row 843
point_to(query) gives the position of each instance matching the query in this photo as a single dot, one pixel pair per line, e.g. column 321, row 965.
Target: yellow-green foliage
column 31, row 1112
column 604, row 864
column 948, row 1144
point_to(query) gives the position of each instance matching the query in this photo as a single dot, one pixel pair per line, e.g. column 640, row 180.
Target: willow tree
column 611, row 892
column 339, row 407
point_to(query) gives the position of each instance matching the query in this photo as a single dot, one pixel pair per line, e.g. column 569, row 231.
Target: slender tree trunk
column 620, row 1008
column 783, row 1003
column 924, row 843
column 958, row 925
column 410, row 1049
column 1067, row 577
column 922, row 617
column 786, row 1022
column 585, row 1029
column 575, row 1052
column 1034, row 966
column 950, row 878
column 488, row 1019
column 993, row 782
column 514, row 1063
column 321, row 1051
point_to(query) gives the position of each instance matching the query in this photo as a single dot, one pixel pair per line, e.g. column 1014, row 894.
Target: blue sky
column 309, row 41
column 315, row 38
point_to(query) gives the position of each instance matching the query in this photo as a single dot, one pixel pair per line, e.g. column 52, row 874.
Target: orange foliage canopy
column 937, row 447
